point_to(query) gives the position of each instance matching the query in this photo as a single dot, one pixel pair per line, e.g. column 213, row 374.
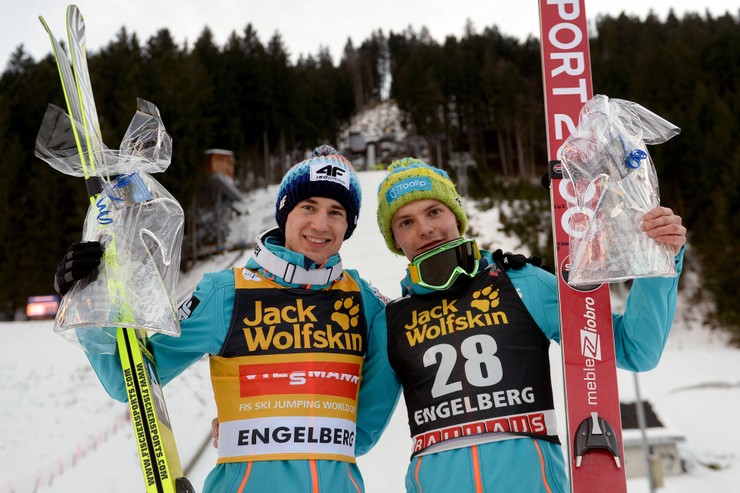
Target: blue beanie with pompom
column 325, row 174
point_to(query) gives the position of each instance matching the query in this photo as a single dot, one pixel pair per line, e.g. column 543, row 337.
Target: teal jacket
column 528, row 464
column 203, row 333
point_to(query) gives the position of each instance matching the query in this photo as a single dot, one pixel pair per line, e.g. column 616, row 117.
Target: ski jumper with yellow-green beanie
column 473, row 359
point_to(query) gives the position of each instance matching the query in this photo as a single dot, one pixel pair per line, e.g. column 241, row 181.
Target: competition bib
column 287, row 378
column 473, row 363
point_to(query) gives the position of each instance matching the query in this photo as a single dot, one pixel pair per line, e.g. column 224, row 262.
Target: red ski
column 594, row 423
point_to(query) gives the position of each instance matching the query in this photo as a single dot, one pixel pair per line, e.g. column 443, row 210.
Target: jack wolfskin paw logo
column 485, row 299
column 346, row 313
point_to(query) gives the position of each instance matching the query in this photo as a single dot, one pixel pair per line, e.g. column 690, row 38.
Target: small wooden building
column 662, row 441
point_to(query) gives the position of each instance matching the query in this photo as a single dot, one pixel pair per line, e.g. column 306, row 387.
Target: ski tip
column 74, row 12
column 76, row 26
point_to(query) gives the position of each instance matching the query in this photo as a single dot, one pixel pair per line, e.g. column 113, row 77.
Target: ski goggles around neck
column 439, row 267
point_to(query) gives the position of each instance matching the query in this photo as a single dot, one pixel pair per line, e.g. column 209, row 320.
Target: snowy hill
column 60, row 432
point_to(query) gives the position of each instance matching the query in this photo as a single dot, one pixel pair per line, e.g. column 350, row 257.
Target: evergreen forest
column 480, row 94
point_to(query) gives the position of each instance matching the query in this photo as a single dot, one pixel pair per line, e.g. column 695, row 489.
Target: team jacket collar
column 272, row 258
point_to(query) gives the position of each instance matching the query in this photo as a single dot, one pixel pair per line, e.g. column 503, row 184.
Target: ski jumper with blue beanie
column 297, row 354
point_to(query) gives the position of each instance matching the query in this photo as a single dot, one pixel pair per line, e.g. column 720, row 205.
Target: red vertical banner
column 587, row 340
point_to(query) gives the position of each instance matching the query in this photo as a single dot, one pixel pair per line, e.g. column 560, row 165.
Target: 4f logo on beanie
column 330, row 173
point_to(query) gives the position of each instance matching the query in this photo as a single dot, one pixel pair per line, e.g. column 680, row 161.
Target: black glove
column 82, row 258
column 516, row 260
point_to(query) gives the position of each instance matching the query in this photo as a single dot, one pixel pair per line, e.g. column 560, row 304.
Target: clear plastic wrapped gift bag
column 614, row 183
column 139, row 223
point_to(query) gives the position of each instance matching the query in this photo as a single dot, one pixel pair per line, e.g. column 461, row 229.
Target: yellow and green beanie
column 410, row 179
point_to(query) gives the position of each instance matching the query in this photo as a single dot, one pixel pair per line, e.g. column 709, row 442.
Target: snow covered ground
column 60, row 432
